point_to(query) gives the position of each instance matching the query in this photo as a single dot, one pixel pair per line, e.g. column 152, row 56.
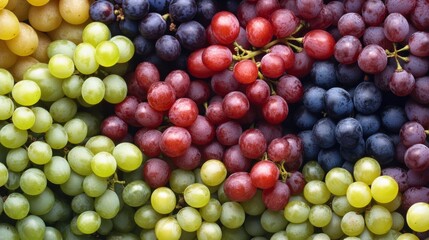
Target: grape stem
column 283, row 172
column 115, row 180
column 398, row 57
column 427, row 132
column 166, row 16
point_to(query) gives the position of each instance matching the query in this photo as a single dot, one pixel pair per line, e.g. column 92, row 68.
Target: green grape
column 92, row 121
column 73, row 227
column 93, row 90
column 76, row 130
column 209, row 231
column 333, row 229
column 337, row 181
column 105, row 227
column 74, row 185
column 319, row 236
column 168, row 228
column 95, row 32
column 103, row 164
column 280, row 235
column 100, row 143
column 211, row 211
column 320, row 215
column 8, row 231
column 33, row 181
column 72, row 86
column 163, row 200
column 196, row 195
column 366, row 234
column 180, row 179
column 52, row 233
column 136, row 193
column 394, row 204
column 128, row 156
column 13, row 180
column 384, row 189
column 366, row 170
column 16, row 206
column 359, row 194
column 189, row 219
column 213, row 172
column 61, row 211
column 391, row 234
column 253, row 226
column 23, row 118
column 313, row 171
column 234, row 234
column 56, row 136
column 296, row 211
column 17, row 159
column 88, row 222
column 232, row 215
column 58, row 170
column 299, row 231
column 7, row 81
column 26, row 92
column 107, row 205
column 39, row 152
column 7, row 107
column 407, row 236
column 417, row 217
column 94, row 186
column 61, row 66
column 12, row 137
column 31, row 227
column 187, row 235
column 254, row 206
column 125, row 46
column 42, row 203
column 116, row 88
column 378, row 219
column 146, row 217
column 4, row 174
column 398, row 221
column 81, row 203
column 147, row 234
column 63, row 109
column 61, row 46
column 107, row 53
column 352, row 224
column 50, row 86
column 212, row 189
column 316, row 192
column 340, row 205
column 43, row 120
column 79, row 158
column 123, row 236
column 84, row 58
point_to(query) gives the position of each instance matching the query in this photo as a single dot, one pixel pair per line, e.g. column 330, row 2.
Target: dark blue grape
column 313, row 99
column 129, row 28
column 182, row 10
column 231, row 5
column 135, row 9
column 367, row 98
column 349, row 166
column 206, row 9
column 349, row 74
column 322, row 74
column 380, row 146
column 304, row 119
column 168, row 48
column 338, row 103
column 393, row 117
column 355, row 153
column 370, row 123
column 181, row 62
column 311, row 148
column 114, row 29
column 159, row 6
column 143, row 47
column 152, row 26
column 348, row 132
column 330, row 158
column 324, row 132
column 102, row 11
column 191, row 35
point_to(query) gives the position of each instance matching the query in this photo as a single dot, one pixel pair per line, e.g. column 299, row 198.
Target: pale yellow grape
column 12, row 137
column 74, row 11
column 10, row 25
column 337, row 181
column 107, row 53
column 116, row 88
column 168, row 228
column 67, row 31
column 394, row 204
column 23, row 118
column 21, row 12
column 100, row 143
column 128, row 156
column 93, row 90
column 43, row 120
column 95, row 33
column 56, row 136
column 163, row 200
column 125, row 46
column 316, row 192
column 21, row 65
column 57, row 170
column 45, row 18
column 7, row 57
column 50, row 85
column 61, row 66
column 384, row 189
column 378, row 220
column 352, row 224
column 26, row 92
column 3, row 3
column 39, row 152
column 38, row 2
column 25, row 43
column 407, row 236
column 366, row 170
column 4, row 174
column 76, row 130
column 189, row 219
column 213, row 172
column 398, row 221
column 103, row 164
column 417, row 217
column 88, row 222
column 196, row 195
column 6, row 108
column 359, row 194
column 84, row 58
column 72, row 86
column 41, row 53
column 62, row 46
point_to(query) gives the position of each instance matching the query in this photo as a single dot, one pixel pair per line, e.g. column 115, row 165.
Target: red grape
column 245, row 71
column 373, row 12
column 284, row 22
column 402, row 83
column 319, row 44
column 412, row 133
column 235, row 161
column 238, row 187
column 290, row 88
column 228, row 133
column 351, row 24
column 146, row 116
column 286, row 53
column 272, row 65
column 278, row 150
column 196, row 66
column 175, row 141
column 277, row 197
column 202, row 131
column 180, row 81
column 396, row 27
column 264, row 174
column 161, row 96
column 258, row 92
column 347, row 49
column 275, row 110
column 190, row 160
column 156, row 172
column 146, row 74
column 225, row 27
column 309, row 8
column 252, row 143
column 114, row 127
column 259, row 31
column 148, row 141
column 372, row 59
column 217, row 57
column 235, row 105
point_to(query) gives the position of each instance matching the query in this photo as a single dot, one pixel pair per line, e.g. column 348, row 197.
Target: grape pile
column 204, row 119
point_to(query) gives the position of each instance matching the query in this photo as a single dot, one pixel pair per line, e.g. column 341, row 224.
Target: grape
column 316, row 192
column 25, row 42
column 238, row 187
column 12, row 137
column 338, row 103
column 196, row 195
column 84, row 58
column 210, row 230
column 384, row 189
column 319, row 44
column 337, row 181
column 103, row 164
column 163, row 200
column 378, row 219
column 415, row 157
column 191, row 35
column 366, row 170
column 276, row 197
column 57, row 170
column 309, row 9
column 16, row 206
column 347, row 49
column 11, row 22
column 232, row 215
column 225, row 27
column 396, row 27
column 348, row 132
column 88, row 222
column 358, row 194
column 284, row 22
column 168, row 48
column 352, row 224
column 418, row 42
column 415, row 217
column 31, row 227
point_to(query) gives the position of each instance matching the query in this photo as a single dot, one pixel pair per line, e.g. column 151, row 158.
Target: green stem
column 166, row 16
column 294, row 39
column 427, row 132
column 283, row 172
column 297, row 48
column 405, row 48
